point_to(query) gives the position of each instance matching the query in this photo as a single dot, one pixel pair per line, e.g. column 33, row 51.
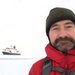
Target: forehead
column 63, row 23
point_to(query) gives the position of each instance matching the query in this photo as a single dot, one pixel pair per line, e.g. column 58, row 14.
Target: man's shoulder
column 39, row 63
column 36, row 68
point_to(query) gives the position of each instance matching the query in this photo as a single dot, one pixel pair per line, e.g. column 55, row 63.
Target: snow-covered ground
column 15, row 66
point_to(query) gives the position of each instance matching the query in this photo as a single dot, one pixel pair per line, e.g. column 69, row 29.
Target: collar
column 58, row 56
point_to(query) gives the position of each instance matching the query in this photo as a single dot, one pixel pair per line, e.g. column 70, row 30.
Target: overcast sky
column 22, row 23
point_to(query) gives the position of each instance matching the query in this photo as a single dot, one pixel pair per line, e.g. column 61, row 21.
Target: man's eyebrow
column 54, row 25
column 69, row 23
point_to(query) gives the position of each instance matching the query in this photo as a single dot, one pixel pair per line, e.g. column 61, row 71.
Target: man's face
column 62, row 35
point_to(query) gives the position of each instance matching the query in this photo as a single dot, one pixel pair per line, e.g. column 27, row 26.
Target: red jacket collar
column 58, row 56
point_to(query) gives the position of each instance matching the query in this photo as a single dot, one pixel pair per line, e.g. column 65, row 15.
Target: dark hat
column 58, row 14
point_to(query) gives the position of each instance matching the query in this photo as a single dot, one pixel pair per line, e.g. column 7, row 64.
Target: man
column 60, row 30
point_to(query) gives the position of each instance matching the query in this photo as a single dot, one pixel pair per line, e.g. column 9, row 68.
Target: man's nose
column 62, row 33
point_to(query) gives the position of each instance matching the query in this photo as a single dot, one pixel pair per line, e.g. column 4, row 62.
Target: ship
column 11, row 51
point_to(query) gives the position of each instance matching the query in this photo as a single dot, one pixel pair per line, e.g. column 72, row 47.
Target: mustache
column 64, row 39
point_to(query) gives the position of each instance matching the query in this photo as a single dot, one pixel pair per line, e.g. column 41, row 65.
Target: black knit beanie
column 57, row 14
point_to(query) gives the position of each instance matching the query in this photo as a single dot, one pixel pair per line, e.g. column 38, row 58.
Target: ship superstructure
column 11, row 51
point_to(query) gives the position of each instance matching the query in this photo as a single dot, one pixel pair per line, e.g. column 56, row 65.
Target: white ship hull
column 8, row 53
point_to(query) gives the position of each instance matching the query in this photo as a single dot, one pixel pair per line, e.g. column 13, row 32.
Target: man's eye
column 55, row 28
column 69, row 27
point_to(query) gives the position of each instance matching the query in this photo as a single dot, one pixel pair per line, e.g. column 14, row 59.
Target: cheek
column 52, row 37
column 72, row 34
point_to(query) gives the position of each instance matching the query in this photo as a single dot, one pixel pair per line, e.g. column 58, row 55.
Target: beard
column 64, row 44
